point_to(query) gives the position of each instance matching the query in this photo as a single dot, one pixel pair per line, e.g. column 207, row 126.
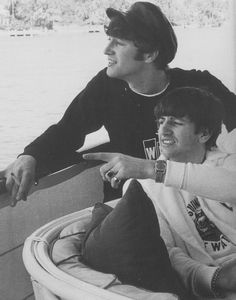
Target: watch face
column 161, row 165
column 160, row 169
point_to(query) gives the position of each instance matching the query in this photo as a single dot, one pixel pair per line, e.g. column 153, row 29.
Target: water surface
column 40, row 75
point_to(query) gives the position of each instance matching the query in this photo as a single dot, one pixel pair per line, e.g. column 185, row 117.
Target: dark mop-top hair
column 146, row 25
column 200, row 106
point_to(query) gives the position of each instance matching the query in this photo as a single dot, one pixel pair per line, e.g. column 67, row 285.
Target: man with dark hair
column 148, row 28
column 196, row 104
column 121, row 97
column 192, row 186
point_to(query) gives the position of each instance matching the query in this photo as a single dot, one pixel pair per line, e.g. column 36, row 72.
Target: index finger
column 25, row 185
column 105, row 156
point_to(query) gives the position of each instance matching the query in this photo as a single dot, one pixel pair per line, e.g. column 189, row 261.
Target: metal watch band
column 160, row 170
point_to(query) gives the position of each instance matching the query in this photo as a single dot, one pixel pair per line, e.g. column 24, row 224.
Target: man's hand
column 226, row 280
column 120, row 166
column 20, row 176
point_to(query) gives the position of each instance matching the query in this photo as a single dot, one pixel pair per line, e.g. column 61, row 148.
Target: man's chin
column 111, row 73
column 167, row 154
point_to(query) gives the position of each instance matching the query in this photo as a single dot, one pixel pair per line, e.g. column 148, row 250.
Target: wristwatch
column 160, row 170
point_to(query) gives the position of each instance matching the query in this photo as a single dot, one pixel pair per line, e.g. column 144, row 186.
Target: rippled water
column 40, row 75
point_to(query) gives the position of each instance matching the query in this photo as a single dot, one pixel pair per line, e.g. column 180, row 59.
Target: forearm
column 211, row 182
column 196, row 277
column 53, row 144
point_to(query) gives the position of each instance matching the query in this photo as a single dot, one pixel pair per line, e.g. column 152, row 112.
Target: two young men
column 121, row 97
column 192, row 186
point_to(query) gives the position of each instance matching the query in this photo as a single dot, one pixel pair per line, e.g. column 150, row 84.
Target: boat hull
column 58, row 194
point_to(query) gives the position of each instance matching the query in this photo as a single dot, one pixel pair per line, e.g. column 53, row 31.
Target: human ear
column 204, row 136
column 150, row 57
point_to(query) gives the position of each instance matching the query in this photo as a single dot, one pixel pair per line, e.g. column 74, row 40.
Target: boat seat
column 51, row 254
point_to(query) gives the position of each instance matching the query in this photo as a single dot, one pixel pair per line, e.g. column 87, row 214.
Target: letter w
column 216, row 246
column 151, row 153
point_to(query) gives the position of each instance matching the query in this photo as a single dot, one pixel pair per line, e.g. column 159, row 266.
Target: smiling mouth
column 111, row 63
column 167, row 142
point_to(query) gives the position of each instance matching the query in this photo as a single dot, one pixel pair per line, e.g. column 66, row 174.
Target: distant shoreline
column 57, row 29
column 76, row 29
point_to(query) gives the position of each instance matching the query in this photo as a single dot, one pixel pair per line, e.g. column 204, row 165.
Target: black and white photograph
column 118, row 149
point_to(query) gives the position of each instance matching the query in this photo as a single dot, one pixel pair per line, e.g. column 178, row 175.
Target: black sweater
column 128, row 117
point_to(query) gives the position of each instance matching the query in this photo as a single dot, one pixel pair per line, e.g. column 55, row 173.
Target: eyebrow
column 174, row 117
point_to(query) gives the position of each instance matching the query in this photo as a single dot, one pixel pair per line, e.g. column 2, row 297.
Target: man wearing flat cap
column 121, row 97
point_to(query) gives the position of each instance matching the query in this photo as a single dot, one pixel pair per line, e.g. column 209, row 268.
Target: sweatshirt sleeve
column 195, row 276
column 84, row 115
column 205, row 180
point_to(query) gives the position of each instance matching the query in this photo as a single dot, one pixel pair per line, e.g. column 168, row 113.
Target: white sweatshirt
column 196, row 208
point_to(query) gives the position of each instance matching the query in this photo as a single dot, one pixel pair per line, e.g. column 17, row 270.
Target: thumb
column 2, row 173
column 104, row 156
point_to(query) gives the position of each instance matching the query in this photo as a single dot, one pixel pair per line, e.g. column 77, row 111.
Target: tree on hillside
column 180, row 12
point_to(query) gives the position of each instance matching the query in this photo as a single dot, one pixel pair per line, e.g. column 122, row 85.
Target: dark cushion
column 126, row 241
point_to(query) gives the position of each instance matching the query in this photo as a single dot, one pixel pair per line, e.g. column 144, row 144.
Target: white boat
column 59, row 199
column 51, row 282
column 25, row 33
column 58, row 194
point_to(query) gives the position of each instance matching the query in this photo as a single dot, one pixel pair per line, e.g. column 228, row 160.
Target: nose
column 165, row 127
column 109, row 48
